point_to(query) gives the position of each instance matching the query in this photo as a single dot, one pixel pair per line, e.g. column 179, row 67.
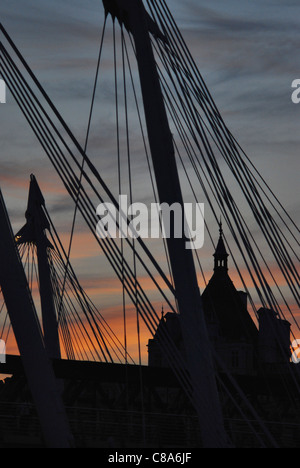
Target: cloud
column 246, row 53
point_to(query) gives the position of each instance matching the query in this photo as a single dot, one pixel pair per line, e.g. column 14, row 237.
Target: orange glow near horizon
column 116, row 322
column 106, row 293
column 114, row 316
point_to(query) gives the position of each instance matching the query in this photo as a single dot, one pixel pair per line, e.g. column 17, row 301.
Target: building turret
column 221, row 255
column 231, row 329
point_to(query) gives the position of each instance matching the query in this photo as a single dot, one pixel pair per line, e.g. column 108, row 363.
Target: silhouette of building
column 114, row 405
column 274, row 338
column 233, row 334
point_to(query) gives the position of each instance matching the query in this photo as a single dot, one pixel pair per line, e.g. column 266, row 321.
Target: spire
column 221, row 255
column 34, row 232
column 35, row 216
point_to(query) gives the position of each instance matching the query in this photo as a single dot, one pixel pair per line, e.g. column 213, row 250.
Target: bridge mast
column 132, row 14
column 37, row 365
column 34, row 232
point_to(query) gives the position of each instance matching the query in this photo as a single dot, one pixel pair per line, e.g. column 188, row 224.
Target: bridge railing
column 116, row 428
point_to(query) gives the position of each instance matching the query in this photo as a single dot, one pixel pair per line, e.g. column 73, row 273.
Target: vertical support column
column 199, row 360
column 37, row 366
column 38, row 224
column 50, row 323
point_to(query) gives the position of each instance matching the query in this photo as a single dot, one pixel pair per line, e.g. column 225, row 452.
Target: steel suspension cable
column 185, row 57
column 71, row 190
column 247, row 169
column 91, row 167
column 180, row 368
column 85, row 150
column 184, row 139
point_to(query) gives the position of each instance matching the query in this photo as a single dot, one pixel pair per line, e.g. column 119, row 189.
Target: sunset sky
column 248, row 53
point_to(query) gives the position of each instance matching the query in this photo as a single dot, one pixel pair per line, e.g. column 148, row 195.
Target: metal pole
column 37, row 366
column 199, row 360
column 50, row 324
